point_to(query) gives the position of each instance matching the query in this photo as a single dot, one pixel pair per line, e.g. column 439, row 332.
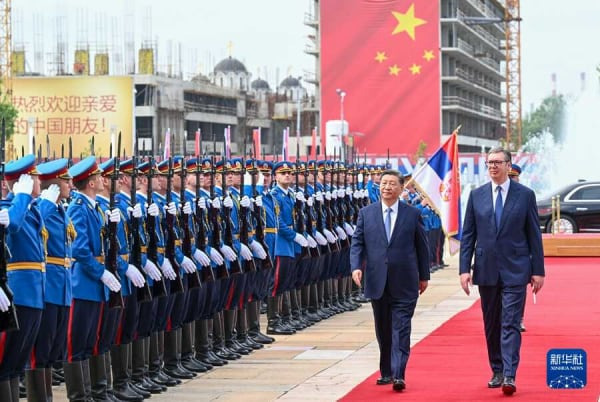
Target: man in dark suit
column 390, row 242
column 501, row 228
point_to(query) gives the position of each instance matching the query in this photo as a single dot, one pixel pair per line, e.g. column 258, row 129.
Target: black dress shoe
column 399, row 385
column 384, row 380
column 496, row 380
column 522, row 327
column 508, row 386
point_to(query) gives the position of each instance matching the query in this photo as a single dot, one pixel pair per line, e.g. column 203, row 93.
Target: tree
column 548, row 116
column 9, row 113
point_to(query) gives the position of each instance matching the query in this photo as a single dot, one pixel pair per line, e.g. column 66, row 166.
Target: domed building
column 260, row 88
column 292, row 88
column 231, row 73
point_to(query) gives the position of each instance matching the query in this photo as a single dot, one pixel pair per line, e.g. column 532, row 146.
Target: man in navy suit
column 390, row 242
column 501, row 228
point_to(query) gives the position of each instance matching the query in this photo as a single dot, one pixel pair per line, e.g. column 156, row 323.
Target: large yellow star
column 428, row 55
column 394, row 70
column 407, row 22
column 415, row 69
column 381, row 57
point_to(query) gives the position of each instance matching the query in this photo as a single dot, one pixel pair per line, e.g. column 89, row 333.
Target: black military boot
column 173, row 358
column 5, row 391
column 187, row 350
column 138, row 368
column 253, row 316
column 242, row 331
column 74, row 380
column 48, row 382
column 203, row 344
column 99, row 383
column 230, row 321
column 308, row 311
column 219, row 339
column 274, row 325
column 121, row 387
column 35, row 382
column 321, row 309
column 155, row 360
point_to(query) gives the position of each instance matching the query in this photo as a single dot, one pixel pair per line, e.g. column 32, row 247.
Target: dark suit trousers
column 392, row 328
column 502, row 307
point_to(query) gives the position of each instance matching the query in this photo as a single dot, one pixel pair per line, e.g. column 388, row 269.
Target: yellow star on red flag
column 415, row 69
column 394, row 70
column 381, row 57
column 428, row 55
column 407, row 22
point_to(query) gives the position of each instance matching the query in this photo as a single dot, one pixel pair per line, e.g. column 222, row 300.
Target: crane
column 512, row 21
column 5, row 50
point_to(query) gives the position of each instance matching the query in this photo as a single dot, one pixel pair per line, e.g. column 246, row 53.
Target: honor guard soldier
column 25, row 237
column 91, row 281
column 107, row 356
column 50, row 346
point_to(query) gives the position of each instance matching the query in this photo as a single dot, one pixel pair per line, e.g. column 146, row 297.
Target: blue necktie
column 498, row 207
column 388, row 223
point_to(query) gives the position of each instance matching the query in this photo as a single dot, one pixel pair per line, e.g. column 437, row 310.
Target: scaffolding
column 512, row 20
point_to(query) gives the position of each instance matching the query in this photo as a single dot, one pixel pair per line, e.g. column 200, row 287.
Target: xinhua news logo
column 566, row 368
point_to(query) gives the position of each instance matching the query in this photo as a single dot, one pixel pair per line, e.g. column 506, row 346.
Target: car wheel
column 565, row 224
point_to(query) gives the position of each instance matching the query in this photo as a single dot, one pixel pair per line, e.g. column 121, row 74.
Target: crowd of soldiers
column 129, row 276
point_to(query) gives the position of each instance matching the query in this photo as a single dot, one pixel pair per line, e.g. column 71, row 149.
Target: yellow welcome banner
column 73, row 107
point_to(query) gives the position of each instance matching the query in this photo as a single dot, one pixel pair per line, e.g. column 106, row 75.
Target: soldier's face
column 236, row 179
column 267, row 179
column 36, row 186
column 98, row 183
column 229, row 179
column 206, row 180
column 284, row 179
column 65, row 186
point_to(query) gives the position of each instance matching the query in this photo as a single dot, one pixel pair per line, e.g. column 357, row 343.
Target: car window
column 588, row 193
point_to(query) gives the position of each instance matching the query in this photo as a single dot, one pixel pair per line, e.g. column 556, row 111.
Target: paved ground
column 322, row 362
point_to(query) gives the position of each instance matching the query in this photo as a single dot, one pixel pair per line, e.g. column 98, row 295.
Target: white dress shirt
column 393, row 215
column 504, row 187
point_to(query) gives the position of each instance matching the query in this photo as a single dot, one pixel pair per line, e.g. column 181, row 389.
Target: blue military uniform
column 26, row 275
column 50, row 346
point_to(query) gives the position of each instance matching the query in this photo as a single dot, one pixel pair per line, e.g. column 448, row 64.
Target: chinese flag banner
column 385, row 55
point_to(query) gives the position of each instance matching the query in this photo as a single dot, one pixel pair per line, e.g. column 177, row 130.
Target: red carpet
column 451, row 363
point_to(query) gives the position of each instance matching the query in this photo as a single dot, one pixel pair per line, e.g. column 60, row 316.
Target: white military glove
column 152, row 270
column 114, row 216
column 51, row 193
column 319, row 196
column 167, row 269
column 310, row 201
column 365, row 193
column 110, row 281
column 301, row 240
column 171, row 208
column 311, row 242
column 258, row 200
column 258, row 250
column 341, row 193
column 216, row 257
column 187, row 208
column 348, row 191
column 348, row 228
column 202, row 258
column 4, row 218
column 4, row 302
column 320, row 238
column 188, row 265
column 135, row 276
column 153, row 210
column 135, row 211
column 329, row 235
column 245, row 252
column 202, row 203
column 328, row 195
column 24, row 185
column 216, row 203
column 300, row 196
column 245, row 201
column 228, row 202
column 340, row 232
column 228, row 252
column 357, row 195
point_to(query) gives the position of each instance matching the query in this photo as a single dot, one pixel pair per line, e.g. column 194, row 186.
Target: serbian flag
column 384, row 55
column 167, row 150
column 439, row 180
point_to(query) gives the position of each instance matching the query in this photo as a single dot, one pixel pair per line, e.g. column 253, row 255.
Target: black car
column 579, row 208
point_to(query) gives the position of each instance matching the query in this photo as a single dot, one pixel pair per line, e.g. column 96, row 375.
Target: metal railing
column 467, row 104
column 459, row 72
column 190, row 106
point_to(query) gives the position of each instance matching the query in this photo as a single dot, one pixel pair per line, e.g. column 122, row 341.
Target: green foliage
column 9, row 113
column 420, row 150
column 548, row 116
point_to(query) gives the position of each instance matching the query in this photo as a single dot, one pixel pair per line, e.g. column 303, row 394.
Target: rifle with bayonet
column 142, row 294
column 319, row 209
column 184, row 223
column 234, row 266
column 171, row 234
column 201, row 240
column 115, row 299
column 159, row 288
column 244, row 224
column 259, row 226
column 314, row 251
column 8, row 319
column 214, row 215
column 298, row 215
column 341, row 207
column 328, row 208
